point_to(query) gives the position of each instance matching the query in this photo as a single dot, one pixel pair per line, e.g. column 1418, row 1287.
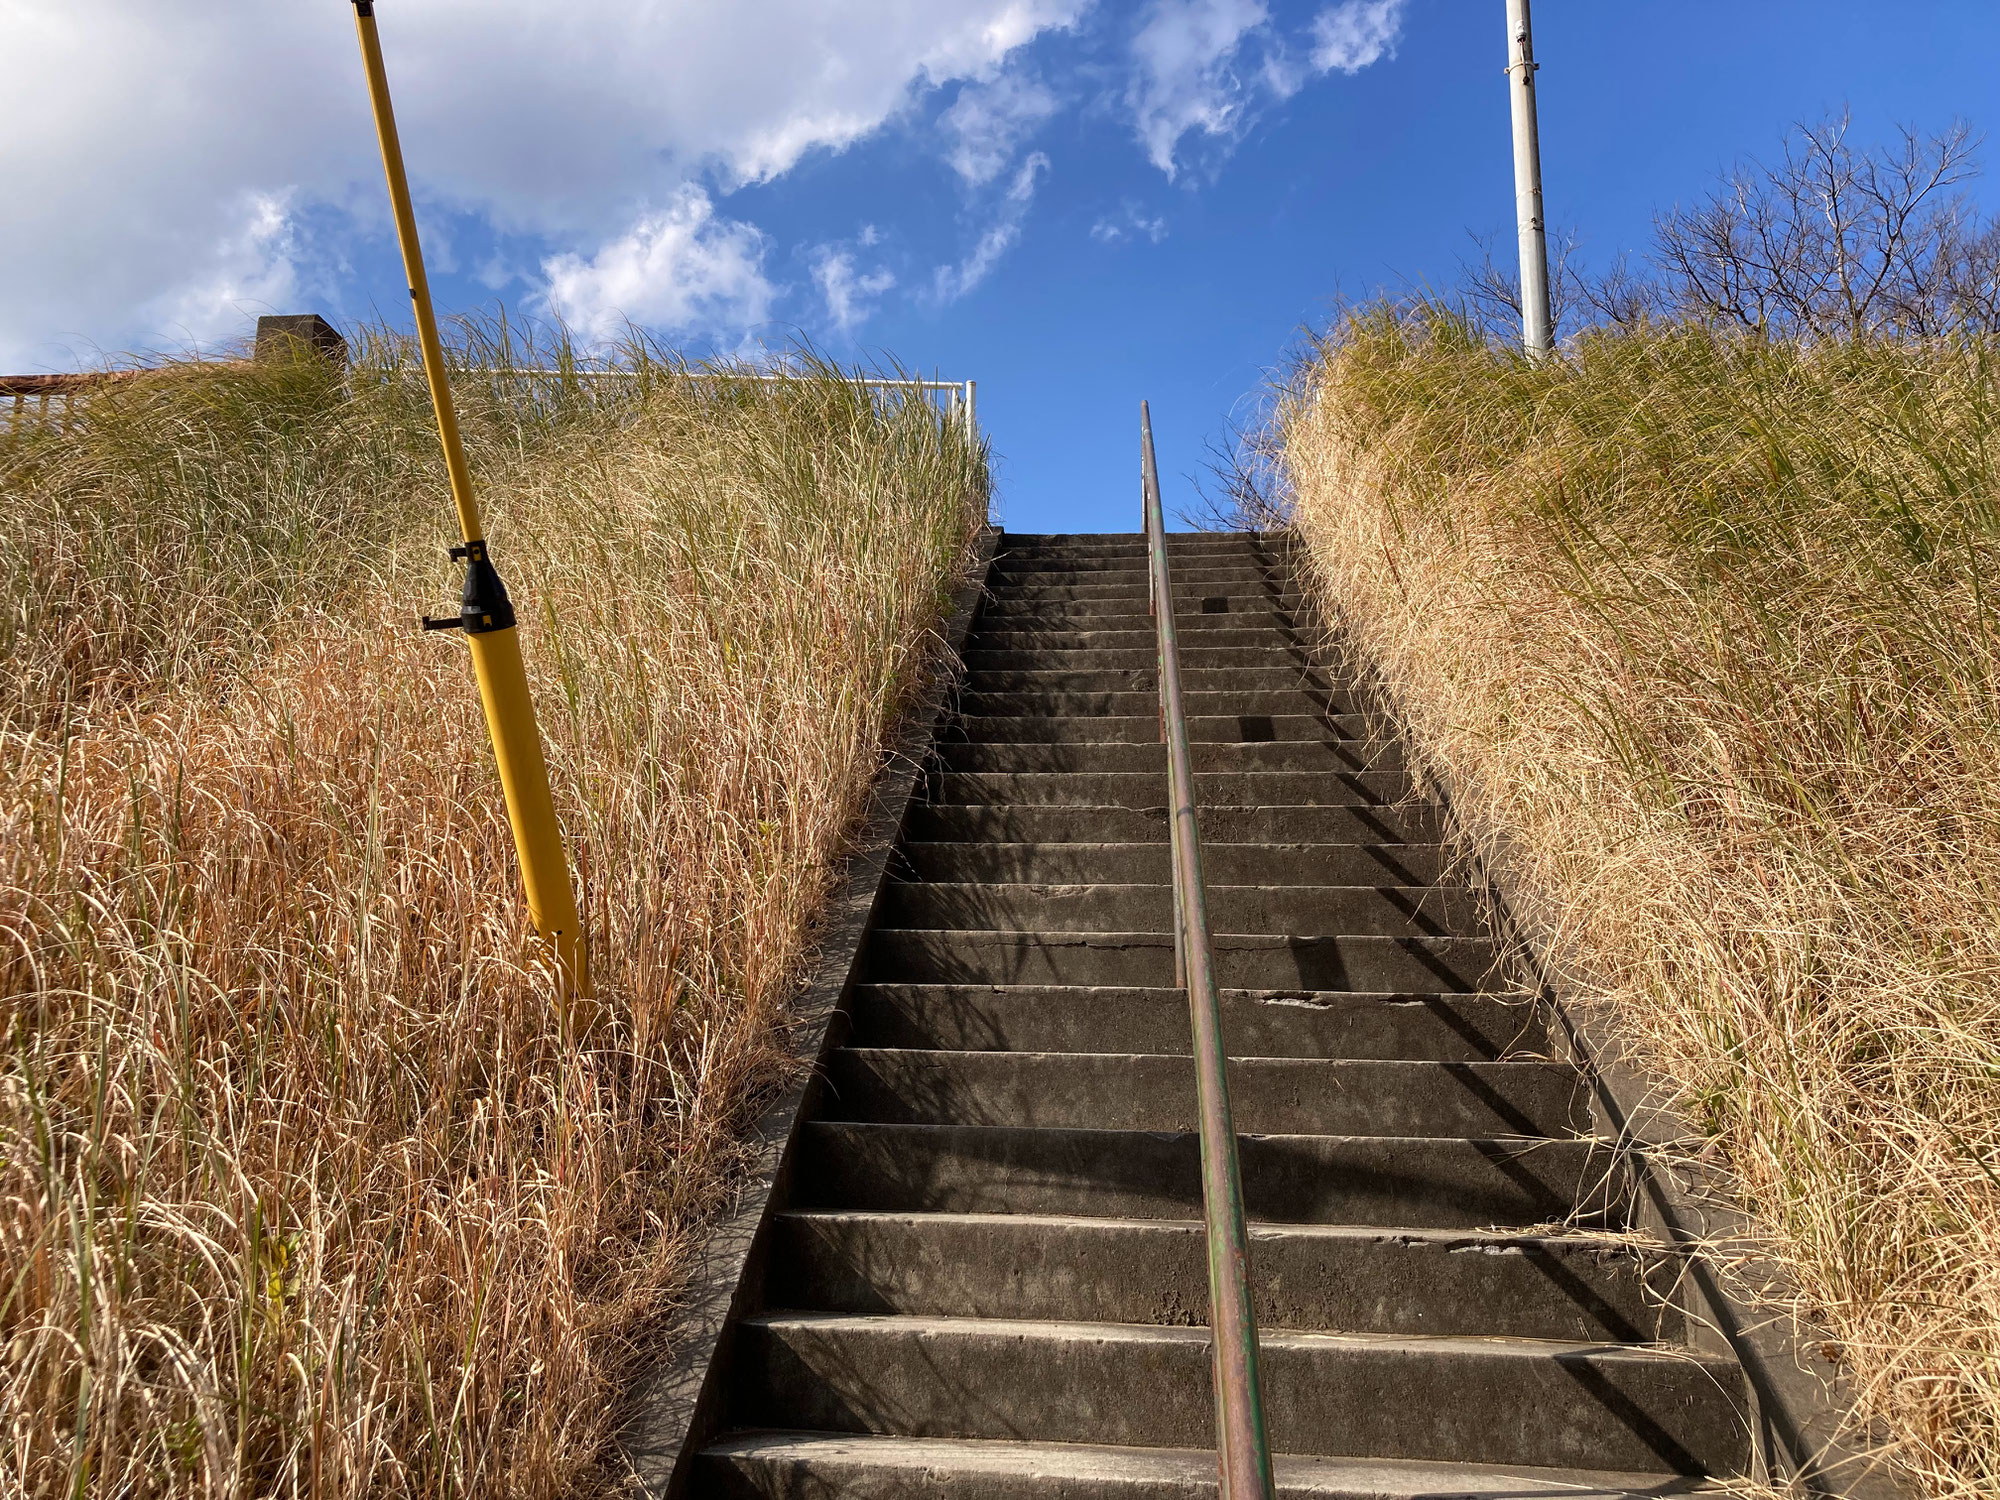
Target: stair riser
column 1144, row 729
column 1076, row 709
column 1341, row 910
column 1110, row 659
column 1415, row 824
column 1197, row 570
column 1447, row 1028
column 1235, row 757
column 1143, row 638
column 1222, row 600
column 1243, row 962
column 1078, row 565
column 1104, row 1271
column 1277, row 1096
column 1192, row 616
column 1427, row 1184
column 830, row 1468
column 1269, row 680
column 1180, row 548
column 1498, row 1405
column 1149, row 864
column 1061, row 545
column 1140, row 790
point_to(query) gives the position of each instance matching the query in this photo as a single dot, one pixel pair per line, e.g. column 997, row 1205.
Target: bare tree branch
column 1832, row 242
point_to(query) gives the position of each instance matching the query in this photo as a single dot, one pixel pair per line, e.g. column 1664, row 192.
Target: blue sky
column 1075, row 203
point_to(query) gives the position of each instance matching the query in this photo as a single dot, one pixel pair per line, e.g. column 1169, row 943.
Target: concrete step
column 1079, row 558
column 1227, row 567
column 1332, row 1277
column 979, row 659
column 993, row 695
column 1073, row 554
column 1278, row 585
column 1407, row 1182
column 1093, row 637
column 1255, row 1023
column 1261, row 573
column 1213, row 789
column 820, row 1465
column 1273, row 754
column 991, row 861
column 1346, row 910
column 1144, row 959
column 1287, row 679
column 1004, row 631
column 1144, row 729
column 1442, row 1399
column 1269, row 1095
column 1062, row 542
column 1406, row 823
column 1196, row 612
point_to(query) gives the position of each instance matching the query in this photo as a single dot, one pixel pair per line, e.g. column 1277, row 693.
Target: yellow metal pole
column 486, row 615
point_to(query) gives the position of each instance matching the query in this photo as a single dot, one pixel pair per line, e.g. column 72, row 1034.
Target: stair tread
column 931, row 1463
column 1303, row 1340
column 1470, row 1239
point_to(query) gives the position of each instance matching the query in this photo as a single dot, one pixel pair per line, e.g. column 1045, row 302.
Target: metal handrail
column 1242, row 1448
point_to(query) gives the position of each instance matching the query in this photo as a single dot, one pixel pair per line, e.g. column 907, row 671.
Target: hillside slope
column 306, row 1186
column 1707, row 631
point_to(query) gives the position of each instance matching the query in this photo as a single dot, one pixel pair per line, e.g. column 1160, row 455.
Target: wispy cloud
column 850, row 295
column 1184, row 76
column 677, row 268
column 1131, row 223
column 949, row 283
column 1356, row 33
column 1203, row 68
column 988, row 122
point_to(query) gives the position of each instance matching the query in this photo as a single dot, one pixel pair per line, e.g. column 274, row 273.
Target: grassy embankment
column 304, row 1190
column 1710, row 632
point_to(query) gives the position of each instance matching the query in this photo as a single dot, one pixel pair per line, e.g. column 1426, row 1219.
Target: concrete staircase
column 988, row 1278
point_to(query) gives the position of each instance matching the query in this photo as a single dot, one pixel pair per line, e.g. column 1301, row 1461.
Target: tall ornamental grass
column 1708, row 630
column 305, row 1187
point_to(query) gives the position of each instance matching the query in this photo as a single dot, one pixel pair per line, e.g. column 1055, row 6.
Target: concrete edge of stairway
column 676, row 1406
column 1803, row 1402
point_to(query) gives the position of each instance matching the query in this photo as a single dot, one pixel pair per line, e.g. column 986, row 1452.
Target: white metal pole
column 1537, row 326
column 972, row 410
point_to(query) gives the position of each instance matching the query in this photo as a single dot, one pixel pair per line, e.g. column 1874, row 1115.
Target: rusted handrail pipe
column 1242, row 1448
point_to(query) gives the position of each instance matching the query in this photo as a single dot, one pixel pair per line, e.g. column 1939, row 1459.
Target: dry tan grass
column 303, row 1188
column 1708, row 632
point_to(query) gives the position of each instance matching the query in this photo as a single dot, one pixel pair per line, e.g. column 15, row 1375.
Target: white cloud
column 546, row 121
column 1203, row 67
column 1184, row 75
column 988, row 122
column 1130, row 224
column 677, row 268
column 850, row 297
column 253, row 270
column 1356, row 33
column 952, row 282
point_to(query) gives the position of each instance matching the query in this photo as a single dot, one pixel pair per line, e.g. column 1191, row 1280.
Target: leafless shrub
column 1830, row 242
column 1834, row 242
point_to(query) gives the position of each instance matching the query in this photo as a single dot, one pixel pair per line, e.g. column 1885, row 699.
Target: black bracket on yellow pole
column 484, row 605
column 486, row 615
